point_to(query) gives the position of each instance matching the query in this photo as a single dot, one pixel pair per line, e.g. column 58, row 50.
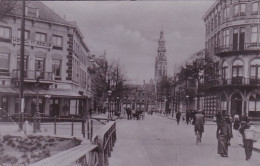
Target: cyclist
column 199, row 125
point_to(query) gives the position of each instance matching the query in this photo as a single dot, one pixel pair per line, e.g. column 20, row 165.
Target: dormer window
column 31, row 12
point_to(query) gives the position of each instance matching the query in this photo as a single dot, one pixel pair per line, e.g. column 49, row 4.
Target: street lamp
column 36, row 120
column 187, row 96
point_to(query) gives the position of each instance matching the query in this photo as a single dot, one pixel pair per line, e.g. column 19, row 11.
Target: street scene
column 135, row 83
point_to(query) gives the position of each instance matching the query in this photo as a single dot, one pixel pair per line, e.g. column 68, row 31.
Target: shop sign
column 32, row 43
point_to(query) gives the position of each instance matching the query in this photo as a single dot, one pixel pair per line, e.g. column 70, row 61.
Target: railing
column 237, row 48
column 95, row 153
column 236, row 81
column 105, row 139
column 32, row 74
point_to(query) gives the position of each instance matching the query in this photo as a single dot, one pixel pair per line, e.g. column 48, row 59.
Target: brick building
column 55, row 53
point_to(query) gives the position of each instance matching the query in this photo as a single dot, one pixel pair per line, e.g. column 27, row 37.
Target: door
column 236, row 105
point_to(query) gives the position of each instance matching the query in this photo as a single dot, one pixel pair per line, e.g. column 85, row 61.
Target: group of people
column 224, row 132
column 135, row 114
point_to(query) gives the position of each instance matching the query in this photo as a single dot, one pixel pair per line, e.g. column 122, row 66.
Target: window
column 5, row 32
column 237, row 69
column 219, row 18
column 224, row 70
column 25, row 62
column 255, row 8
column 56, row 40
column 236, row 10
column 254, row 34
column 254, row 102
column 39, row 64
column 255, row 69
column 226, row 37
column 4, row 64
column 26, row 34
column 242, row 9
column 40, row 37
column 56, row 69
column 226, row 13
column 31, row 12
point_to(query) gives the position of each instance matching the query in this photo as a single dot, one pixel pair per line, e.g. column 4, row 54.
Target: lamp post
column 187, row 96
column 109, row 104
column 36, row 120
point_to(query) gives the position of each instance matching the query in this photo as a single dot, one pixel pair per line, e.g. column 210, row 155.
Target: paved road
column 159, row 141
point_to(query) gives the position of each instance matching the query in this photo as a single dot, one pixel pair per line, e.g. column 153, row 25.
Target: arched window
column 255, row 69
column 237, row 69
column 254, row 102
column 224, row 70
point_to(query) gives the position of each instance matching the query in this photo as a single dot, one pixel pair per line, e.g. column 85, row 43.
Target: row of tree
column 189, row 83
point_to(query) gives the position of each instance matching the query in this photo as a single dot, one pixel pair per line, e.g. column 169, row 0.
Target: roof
column 45, row 13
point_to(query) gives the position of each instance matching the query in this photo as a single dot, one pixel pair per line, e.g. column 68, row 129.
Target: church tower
column 161, row 61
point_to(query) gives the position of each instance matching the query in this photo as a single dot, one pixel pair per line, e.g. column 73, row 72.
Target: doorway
column 236, row 105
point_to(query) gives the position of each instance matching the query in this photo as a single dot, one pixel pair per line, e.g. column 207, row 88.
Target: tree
column 6, row 8
column 108, row 75
column 200, row 71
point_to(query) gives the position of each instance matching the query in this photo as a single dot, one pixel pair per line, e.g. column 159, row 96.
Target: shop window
column 254, row 102
column 5, row 32
column 4, row 64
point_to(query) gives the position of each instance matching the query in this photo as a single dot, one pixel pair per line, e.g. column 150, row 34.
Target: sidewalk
column 236, row 136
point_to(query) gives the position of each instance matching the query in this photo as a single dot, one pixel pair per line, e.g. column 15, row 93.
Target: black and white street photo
column 130, row 83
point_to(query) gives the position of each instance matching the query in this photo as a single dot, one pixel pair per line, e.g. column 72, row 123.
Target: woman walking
column 224, row 134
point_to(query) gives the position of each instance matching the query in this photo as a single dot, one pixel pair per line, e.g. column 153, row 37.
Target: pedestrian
column 248, row 142
column 236, row 122
column 187, row 117
column 178, row 117
column 244, row 118
column 218, row 117
column 199, row 124
column 134, row 113
column 224, row 135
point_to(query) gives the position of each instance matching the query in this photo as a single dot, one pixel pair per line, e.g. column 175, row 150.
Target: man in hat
column 199, row 124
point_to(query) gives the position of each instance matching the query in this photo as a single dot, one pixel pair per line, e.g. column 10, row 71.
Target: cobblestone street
column 158, row 141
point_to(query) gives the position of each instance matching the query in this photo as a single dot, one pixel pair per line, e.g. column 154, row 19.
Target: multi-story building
column 233, row 36
column 55, row 53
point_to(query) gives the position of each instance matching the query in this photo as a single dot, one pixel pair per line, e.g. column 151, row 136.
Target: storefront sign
column 32, row 43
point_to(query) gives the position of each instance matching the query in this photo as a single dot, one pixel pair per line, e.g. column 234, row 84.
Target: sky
column 128, row 31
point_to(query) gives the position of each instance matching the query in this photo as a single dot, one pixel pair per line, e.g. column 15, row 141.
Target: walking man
column 199, row 124
column 178, row 117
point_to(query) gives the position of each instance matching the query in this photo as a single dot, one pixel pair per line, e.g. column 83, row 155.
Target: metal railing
column 237, row 48
column 32, row 74
column 236, row 81
column 105, row 139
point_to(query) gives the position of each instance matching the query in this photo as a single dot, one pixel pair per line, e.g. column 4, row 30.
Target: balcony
column 31, row 75
column 237, row 48
column 237, row 81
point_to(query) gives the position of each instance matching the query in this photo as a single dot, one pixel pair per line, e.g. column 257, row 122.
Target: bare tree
column 6, row 8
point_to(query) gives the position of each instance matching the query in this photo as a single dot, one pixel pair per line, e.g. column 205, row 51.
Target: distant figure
column 236, row 122
column 187, row 117
column 66, row 110
column 199, row 124
column 134, row 113
column 224, row 134
column 178, row 117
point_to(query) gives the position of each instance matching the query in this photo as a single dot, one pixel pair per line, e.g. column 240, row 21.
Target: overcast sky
column 129, row 30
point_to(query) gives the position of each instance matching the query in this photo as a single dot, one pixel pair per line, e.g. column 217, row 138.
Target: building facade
column 55, row 54
column 233, row 36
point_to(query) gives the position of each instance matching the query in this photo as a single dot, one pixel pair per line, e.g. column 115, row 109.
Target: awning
column 42, row 92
